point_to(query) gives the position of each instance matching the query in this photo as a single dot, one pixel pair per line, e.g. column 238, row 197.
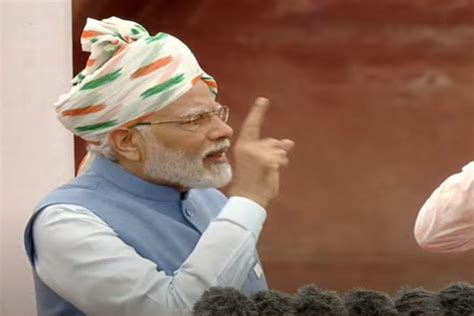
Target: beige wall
column 36, row 151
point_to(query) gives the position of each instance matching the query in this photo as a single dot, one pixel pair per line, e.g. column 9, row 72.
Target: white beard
column 175, row 167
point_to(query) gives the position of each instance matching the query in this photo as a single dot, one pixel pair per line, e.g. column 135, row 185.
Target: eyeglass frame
column 194, row 117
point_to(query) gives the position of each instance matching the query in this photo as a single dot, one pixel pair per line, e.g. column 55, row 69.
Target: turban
column 128, row 77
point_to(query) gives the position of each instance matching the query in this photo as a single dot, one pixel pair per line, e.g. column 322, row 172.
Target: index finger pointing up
column 252, row 124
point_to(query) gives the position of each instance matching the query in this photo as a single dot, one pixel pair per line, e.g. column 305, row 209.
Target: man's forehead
column 199, row 92
column 196, row 100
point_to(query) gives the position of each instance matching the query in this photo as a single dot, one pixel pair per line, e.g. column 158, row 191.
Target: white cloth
column 445, row 223
column 128, row 77
column 101, row 275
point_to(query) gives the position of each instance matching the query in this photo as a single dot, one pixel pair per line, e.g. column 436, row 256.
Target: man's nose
column 220, row 129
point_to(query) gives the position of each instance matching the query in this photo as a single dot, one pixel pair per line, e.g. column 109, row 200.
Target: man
column 143, row 231
column 445, row 223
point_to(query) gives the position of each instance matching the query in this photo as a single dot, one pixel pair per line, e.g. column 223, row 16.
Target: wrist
column 255, row 198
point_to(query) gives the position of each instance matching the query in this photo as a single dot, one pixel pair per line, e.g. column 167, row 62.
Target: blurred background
column 377, row 95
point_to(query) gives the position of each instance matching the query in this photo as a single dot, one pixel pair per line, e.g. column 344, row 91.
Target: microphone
column 418, row 301
column 272, row 302
column 311, row 300
column 218, row 301
column 457, row 299
column 367, row 302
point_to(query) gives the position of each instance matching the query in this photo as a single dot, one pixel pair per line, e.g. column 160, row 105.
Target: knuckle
column 273, row 142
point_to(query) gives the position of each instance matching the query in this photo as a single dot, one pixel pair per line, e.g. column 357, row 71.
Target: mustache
column 216, row 147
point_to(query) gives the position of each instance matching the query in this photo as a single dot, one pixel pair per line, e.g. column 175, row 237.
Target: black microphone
column 369, row 303
column 457, row 299
column 419, row 302
column 218, row 301
column 311, row 300
column 271, row 302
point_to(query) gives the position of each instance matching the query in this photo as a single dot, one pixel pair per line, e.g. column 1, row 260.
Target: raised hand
column 258, row 160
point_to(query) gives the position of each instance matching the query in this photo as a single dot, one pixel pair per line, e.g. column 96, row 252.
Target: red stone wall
column 378, row 96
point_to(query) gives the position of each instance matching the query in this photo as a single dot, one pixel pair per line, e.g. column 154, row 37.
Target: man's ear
column 127, row 144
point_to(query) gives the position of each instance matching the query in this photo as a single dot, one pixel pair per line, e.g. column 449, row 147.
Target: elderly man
column 445, row 222
column 143, row 231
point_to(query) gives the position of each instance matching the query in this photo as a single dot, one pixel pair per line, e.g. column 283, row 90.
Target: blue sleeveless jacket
column 160, row 223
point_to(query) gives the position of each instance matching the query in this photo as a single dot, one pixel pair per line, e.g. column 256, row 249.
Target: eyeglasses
column 195, row 122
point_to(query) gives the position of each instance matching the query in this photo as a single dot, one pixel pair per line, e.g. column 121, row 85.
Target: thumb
column 286, row 144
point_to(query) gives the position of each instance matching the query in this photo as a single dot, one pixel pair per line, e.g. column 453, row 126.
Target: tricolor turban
column 129, row 76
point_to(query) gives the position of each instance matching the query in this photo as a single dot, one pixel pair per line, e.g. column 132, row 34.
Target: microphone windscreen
column 272, row 302
column 457, row 299
column 418, row 302
column 311, row 300
column 367, row 302
column 218, row 301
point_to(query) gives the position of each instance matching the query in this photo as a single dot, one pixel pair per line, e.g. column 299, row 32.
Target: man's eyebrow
column 201, row 110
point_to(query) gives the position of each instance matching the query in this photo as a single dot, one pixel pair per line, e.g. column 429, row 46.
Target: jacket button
column 189, row 212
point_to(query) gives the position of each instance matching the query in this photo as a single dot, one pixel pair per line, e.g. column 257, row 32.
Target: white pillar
column 37, row 153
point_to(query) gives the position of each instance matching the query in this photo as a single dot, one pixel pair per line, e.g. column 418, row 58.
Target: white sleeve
column 445, row 222
column 82, row 259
